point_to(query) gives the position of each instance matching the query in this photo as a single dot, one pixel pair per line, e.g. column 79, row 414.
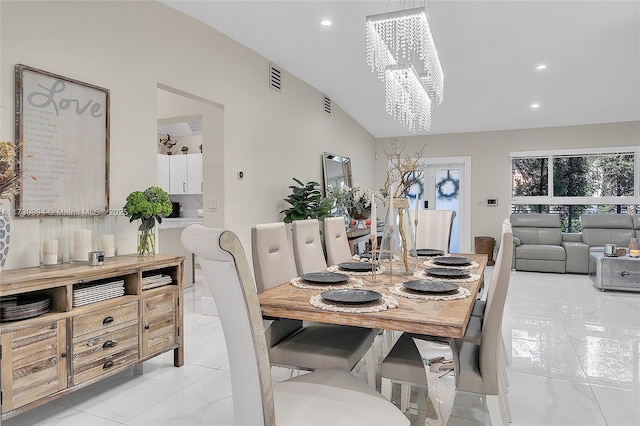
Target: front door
column 444, row 187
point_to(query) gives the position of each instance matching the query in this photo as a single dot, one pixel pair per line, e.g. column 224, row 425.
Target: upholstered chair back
column 601, row 229
column 227, row 273
column 434, row 228
column 537, row 228
column 272, row 261
column 492, row 320
column 307, row 246
column 335, row 241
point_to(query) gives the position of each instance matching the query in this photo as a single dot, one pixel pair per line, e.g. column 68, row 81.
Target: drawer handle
column 107, row 364
column 624, row 273
column 146, row 327
column 63, row 355
column 35, row 369
column 107, row 320
column 109, row 344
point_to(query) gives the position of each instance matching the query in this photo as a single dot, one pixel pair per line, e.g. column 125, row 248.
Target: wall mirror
column 337, row 171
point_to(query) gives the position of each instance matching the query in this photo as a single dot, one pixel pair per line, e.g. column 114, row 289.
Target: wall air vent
column 327, row 104
column 275, row 78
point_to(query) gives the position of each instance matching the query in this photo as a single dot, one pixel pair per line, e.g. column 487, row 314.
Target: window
column 573, row 183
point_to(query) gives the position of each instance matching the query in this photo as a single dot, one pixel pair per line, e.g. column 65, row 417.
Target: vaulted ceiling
column 489, row 52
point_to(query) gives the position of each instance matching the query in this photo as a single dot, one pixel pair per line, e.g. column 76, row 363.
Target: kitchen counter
column 179, row 222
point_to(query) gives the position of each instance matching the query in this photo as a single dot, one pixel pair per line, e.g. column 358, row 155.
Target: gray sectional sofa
column 541, row 246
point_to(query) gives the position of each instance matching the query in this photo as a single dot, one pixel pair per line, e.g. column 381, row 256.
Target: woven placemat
column 352, row 283
column 336, row 268
column 386, row 302
column 400, row 290
column 424, row 276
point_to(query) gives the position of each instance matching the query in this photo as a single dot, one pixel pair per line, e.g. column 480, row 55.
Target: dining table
column 443, row 318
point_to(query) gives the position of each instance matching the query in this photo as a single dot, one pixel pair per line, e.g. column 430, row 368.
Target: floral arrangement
column 9, row 179
column 148, row 206
column 355, row 200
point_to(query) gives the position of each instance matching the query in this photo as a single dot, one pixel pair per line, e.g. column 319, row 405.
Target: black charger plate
column 351, row 296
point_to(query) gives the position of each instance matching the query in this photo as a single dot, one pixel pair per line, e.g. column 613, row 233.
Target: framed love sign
column 62, row 127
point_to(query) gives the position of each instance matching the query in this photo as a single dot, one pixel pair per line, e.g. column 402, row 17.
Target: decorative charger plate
column 430, row 252
column 426, row 286
column 351, row 296
column 22, row 307
column 452, row 261
column 355, row 266
column 325, row 277
column 447, row 272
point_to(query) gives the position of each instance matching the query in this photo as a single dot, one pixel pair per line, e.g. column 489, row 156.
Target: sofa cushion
column 541, row 252
column 601, row 229
column 636, row 224
column 537, row 228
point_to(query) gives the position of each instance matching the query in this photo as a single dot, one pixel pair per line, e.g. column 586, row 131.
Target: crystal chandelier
column 401, row 50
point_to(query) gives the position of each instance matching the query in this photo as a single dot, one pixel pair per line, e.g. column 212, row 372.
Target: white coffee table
column 614, row 273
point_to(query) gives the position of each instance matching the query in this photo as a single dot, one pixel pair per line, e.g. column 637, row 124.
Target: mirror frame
column 345, row 162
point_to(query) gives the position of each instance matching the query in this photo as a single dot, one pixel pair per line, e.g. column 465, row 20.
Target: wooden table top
column 435, row 318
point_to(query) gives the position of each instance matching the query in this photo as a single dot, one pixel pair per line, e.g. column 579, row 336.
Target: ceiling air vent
column 327, row 104
column 275, row 78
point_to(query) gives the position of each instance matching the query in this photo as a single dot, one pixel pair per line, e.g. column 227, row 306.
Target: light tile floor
column 574, row 356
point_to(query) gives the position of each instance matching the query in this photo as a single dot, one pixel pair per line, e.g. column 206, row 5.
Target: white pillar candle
column 374, row 216
column 82, row 244
column 109, row 245
column 50, row 252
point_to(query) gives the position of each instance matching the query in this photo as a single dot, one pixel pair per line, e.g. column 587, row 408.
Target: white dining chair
column 293, row 344
column 335, row 241
column 327, row 397
column 434, row 228
column 307, row 246
column 479, row 367
column 406, row 355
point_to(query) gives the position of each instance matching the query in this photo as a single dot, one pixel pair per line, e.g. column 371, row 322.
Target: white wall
column 131, row 48
column 490, row 166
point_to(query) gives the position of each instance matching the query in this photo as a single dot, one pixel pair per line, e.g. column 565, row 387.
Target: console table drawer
column 97, row 355
column 105, row 319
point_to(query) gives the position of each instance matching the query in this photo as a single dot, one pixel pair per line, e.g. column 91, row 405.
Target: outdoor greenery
column 594, row 176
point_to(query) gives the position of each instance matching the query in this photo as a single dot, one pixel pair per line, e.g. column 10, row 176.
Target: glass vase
column 146, row 240
column 50, row 241
column 397, row 242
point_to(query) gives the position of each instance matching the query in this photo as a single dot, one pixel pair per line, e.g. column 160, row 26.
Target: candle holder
column 106, row 237
column 81, row 238
column 51, row 241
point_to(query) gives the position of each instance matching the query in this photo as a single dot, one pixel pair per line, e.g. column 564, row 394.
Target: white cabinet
column 180, row 174
column 163, row 172
column 194, row 173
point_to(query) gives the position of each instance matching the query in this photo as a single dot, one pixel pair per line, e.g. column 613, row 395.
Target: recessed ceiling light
column 325, row 23
column 541, row 67
column 535, row 106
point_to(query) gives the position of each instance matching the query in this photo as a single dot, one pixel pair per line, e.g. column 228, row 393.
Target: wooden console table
column 70, row 347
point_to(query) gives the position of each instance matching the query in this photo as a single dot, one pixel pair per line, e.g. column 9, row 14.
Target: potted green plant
column 148, row 206
column 306, row 202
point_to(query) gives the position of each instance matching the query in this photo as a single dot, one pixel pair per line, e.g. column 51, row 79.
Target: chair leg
column 504, row 351
column 405, row 396
column 371, row 367
column 494, row 405
column 386, row 387
column 504, row 403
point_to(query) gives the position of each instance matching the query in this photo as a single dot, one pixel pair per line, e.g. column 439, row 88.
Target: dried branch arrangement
column 403, row 171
